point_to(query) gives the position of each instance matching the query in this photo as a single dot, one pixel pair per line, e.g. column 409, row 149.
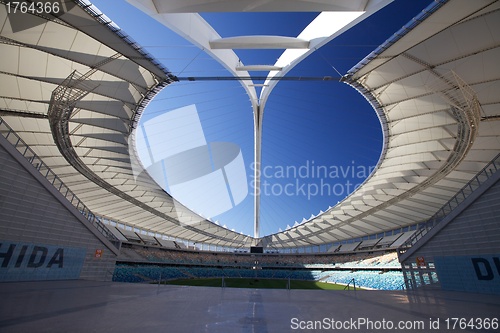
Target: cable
column 257, row 78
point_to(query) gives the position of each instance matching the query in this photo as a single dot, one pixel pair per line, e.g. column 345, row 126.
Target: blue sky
column 320, row 139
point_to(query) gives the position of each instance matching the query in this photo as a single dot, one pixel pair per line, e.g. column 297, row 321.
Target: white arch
column 334, row 19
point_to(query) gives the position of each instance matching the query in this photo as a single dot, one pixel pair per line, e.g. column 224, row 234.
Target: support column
column 257, row 168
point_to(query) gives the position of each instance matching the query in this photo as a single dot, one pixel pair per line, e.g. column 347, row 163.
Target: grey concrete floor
column 87, row 306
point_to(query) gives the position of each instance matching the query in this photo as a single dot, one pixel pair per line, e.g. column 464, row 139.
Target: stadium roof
column 73, row 86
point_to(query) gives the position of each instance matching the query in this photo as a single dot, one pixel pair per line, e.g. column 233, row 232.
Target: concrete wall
column 466, row 251
column 42, row 236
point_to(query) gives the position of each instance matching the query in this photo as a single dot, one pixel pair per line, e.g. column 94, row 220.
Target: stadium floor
column 87, row 306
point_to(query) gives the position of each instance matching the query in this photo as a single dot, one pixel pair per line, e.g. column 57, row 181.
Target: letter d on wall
column 478, row 262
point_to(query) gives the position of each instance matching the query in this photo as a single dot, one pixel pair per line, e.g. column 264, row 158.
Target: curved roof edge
column 434, row 6
column 100, row 17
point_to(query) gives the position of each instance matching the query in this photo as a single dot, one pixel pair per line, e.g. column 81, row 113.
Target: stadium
column 126, row 165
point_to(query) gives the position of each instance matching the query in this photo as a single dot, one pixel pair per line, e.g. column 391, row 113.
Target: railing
column 8, row 133
column 453, row 203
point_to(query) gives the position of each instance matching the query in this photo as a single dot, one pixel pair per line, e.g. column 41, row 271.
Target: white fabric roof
column 414, row 82
column 94, row 161
column 435, row 138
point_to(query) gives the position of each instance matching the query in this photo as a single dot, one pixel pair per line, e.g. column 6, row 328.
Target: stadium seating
column 161, row 255
column 374, row 279
column 369, row 279
column 141, row 263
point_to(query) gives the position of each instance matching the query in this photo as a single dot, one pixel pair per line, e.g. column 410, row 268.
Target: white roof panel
column 409, row 78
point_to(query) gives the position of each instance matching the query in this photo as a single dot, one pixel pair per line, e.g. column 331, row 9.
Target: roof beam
column 263, row 68
column 24, row 114
column 259, row 42
column 203, row 6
